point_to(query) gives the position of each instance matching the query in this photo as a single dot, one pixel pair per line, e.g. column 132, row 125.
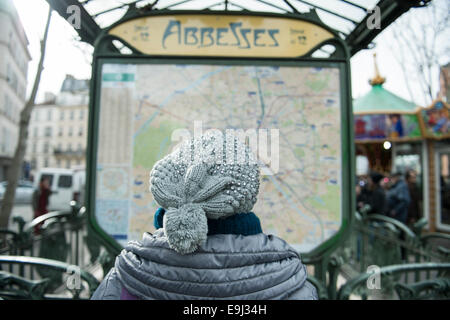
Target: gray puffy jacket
column 227, row 266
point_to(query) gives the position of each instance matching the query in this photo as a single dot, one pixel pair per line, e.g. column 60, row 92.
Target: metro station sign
column 221, row 35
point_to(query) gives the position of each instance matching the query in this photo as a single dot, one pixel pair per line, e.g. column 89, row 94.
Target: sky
column 68, row 56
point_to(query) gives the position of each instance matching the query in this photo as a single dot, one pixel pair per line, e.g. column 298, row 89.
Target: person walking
column 40, row 200
column 376, row 198
column 414, row 207
column 398, row 198
column 208, row 243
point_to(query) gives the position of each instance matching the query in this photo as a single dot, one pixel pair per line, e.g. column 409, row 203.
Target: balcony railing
column 70, row 153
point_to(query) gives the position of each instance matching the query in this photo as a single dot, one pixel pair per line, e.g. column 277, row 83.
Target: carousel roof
column 348, row 18
column 380, row 100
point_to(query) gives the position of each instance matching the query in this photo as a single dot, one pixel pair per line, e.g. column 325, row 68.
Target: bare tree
column 25, row 114
column 420, row 46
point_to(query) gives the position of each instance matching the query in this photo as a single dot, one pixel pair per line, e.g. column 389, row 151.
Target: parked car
column 24, row 191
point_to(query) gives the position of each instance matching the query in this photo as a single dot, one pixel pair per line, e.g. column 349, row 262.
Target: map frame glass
column 345, row 121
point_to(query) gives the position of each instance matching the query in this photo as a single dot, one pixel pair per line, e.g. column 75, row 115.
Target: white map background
column 301, row 203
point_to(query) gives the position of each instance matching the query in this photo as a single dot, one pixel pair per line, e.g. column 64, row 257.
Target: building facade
column 58, row 128
column 14, row 58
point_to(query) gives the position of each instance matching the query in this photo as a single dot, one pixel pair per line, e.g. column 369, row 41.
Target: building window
column 61, row 115
column 72, row 115
column 4, row 141
column 69, row 147
column 46, row 162
column 48, row 131
column 58, row 163
column 81, row 114
column 80, row 131
column 11, row 78
column 70, row 131
column 6, row 105
column 46, row 147
column 68, row 163
column 49, row 115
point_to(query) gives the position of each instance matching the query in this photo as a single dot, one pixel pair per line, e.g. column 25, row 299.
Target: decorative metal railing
column 78, row 283
column 61, row 246
column 412, row 265
column 58, row 237
column 378, row 241
column 437, row 287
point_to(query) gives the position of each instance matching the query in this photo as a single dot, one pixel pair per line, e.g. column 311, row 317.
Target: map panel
column 142, row 106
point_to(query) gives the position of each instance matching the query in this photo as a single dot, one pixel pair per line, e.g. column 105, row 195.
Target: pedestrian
column 40, row 200
column 362, row 194
column 398, row 198
column 376, row 198
column 414, row 213
column 208, row 243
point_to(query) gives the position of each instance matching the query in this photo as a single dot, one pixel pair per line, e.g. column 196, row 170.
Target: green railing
column 59, row 237
column 78, row 284
column 438, row 287
column 63, row 238
column 378, row 241
column 375, row 240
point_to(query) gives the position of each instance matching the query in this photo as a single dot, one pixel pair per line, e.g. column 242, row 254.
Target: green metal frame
column 320, row 256
column 358, row 39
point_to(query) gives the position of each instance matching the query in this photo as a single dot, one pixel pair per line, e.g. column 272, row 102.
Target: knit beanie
column 210, row 177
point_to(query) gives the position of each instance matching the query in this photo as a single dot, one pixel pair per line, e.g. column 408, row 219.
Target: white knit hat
column 209, row 177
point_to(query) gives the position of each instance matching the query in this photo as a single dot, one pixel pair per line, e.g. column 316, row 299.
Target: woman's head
column 210, row 177
column 44, row 183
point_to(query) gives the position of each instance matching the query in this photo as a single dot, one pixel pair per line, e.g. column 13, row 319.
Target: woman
column 208, row 243
column 40, row 200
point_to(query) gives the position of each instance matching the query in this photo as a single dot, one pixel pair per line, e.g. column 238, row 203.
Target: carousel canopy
column 380, row 100
column 381, row 115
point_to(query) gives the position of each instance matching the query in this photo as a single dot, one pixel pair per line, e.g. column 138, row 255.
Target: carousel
column 395, row 135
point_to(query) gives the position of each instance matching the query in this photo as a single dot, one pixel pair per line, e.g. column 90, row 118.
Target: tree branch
column 16, row 165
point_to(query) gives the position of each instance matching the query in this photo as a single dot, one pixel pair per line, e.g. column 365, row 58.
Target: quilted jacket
column 227, row 266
